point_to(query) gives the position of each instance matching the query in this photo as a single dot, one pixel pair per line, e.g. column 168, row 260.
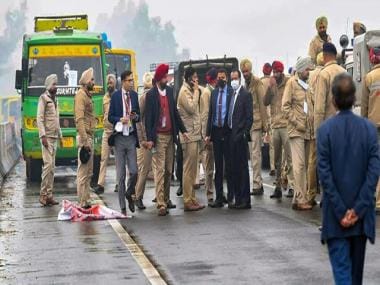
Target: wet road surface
column 267, row 244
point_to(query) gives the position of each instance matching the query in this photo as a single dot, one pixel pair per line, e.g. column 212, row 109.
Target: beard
column 323, row 35
column 162, row 85
column 90, row 87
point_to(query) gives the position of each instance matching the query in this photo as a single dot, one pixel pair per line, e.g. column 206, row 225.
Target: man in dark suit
column 348, row 168
column 219, row 134
column 123, row 114
column 240, row 119
column 162, row 123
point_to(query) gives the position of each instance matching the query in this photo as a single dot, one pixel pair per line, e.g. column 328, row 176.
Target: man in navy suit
column 219, row 133
column 348, row 168
column 123, row 114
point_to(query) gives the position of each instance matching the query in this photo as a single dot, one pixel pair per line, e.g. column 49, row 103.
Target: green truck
column 64, row 46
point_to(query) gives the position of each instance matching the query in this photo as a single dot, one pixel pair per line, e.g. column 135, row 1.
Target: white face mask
column 235, row 84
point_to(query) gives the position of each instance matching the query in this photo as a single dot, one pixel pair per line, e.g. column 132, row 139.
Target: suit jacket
column 116, row 110
column 242, row 116
column 153, row 111
column 348, row 167
column 213, row 111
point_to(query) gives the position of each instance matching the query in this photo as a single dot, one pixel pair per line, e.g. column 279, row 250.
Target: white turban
column 304, row 63
column 111, row 76
column 147, row 80
column 50, row 80
column 86, row 77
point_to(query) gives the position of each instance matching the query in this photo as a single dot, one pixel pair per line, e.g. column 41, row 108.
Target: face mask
column 53, row 91
column 221, row 83
column 235, row 84
column 162, row 85
column 110, row 89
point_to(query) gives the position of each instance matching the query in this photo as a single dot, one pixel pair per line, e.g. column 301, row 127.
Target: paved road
column 269, row 243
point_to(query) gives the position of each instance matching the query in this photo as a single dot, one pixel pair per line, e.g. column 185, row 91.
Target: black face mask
column 323, row 35
column 221, row 83
column 53, row 91
column 162, row 85
column 110, row 89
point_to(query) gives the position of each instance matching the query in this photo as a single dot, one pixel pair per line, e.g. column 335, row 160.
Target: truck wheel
column 33, row 169
column 96, row 170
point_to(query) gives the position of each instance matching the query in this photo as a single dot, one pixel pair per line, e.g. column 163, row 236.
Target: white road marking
column 149, row 270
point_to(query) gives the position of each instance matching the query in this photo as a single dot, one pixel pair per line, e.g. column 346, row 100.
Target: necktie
column 231, row 110
column 220, row 102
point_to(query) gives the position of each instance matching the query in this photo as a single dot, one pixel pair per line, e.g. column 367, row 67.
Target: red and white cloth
column 72, row 212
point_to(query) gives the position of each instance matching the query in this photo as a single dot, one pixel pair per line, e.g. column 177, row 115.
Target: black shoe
column 243, row 206
column 139, row 204
column 116, row 188
column 216, row 204
column 290, row 193
column 209, row 201
column 277, row 193
column 154, row 200
column 99, row 190
column 258, row 192
column 272, row 173
column 224, row 200
column 179, row 191
column 231, row 206
column 131, row 204
column 170, row 205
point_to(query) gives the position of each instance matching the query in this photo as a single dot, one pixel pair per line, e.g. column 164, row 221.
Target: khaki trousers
column 281, row 142
column 271, row 151
column 144, row 162
column 162, row 166
column 190, row 164
column 106, row 150
column 207, row 156
column 84, row 174
column 300, row 152
column 256, row 137
column 312, row 171
column 48, row 157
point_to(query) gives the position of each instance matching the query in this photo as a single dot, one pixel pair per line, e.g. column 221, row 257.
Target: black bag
column 111, row 139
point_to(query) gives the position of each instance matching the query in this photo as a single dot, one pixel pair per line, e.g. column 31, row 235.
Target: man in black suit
column 162, row 123
column 239, row 121
column 219, row 133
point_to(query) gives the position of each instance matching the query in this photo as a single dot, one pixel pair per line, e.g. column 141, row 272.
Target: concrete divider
column 10, row 152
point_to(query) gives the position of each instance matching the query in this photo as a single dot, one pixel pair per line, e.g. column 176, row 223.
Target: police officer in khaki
column 259, row 127
column 207, row 151
column 189, row 110
column 85, row 124
column 316, row 44
column 108, row 129
column 295, row 107
column 370, row 101
column 324, row 107
column 273, row 98
column 49, row 131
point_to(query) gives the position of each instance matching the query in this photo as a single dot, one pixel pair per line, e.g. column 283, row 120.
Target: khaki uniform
column 265, row 81
column 207, row 153
column 370, row 106
column 295, row 108
column 144, row 156
column 324, row 107
column 312, row 160
column 273, row 98
column 106, row 149
column 85, row 124
column 316, row 46
column 48, row 126
column 257, row 90
column 189, row 111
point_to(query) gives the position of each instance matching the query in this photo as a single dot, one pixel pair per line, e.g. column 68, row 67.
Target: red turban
column 278, row 66
column 161, row 71
column 267, row 69
column 374, row 55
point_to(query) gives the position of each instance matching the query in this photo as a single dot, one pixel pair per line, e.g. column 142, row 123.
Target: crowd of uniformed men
column 217, row 125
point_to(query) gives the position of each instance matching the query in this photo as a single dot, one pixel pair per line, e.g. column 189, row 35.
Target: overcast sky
column 260, row 30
